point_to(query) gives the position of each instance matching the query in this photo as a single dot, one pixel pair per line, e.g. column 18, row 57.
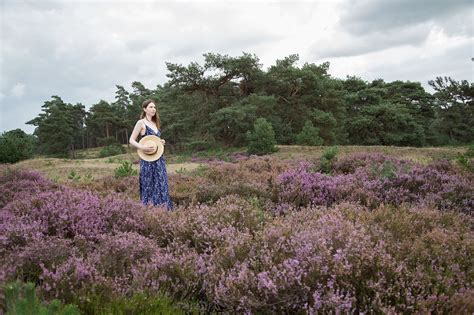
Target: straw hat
column 149, row 141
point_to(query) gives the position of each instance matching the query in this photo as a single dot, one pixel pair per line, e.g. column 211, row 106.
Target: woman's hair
column 156, row 117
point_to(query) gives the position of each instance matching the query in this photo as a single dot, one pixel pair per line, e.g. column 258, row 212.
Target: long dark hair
column 156, row 117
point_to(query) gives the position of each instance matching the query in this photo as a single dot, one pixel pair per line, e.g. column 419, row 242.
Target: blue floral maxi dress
column 154, row 179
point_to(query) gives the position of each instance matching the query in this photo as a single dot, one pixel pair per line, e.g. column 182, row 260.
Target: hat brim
column 154, row 156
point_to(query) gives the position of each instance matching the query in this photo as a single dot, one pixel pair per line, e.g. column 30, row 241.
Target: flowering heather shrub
column 430, row 186
column 189, row 189
column 233, row 256
column 349, row 163
column 434, row 252
column 14, row 184
column 445, row 166
column 126, row 187
column 206, row 227
column 391, row 181
column 252, row 177
column 25, row 262
column 116, row 253
column 68, row 213
column 173, row 269
column 58, row 219
column 321, row 260
column 290, row 263
column 240, row 156
column 74, row 281
column 301, row 187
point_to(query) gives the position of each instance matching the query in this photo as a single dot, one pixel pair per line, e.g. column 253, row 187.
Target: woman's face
column 150, row 109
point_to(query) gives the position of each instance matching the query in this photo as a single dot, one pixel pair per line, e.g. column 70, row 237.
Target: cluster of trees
column 16, row 145
column 62, row 128
column 219, row 101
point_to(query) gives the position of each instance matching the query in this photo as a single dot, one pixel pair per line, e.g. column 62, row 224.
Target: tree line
column 218, row 102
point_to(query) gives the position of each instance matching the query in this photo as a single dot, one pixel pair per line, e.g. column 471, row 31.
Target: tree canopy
column 217, row 102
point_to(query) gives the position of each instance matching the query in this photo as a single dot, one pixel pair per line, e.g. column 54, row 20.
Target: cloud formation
column 79, row 50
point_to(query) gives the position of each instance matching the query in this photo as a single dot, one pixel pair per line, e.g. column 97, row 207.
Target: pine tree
column 262, row 140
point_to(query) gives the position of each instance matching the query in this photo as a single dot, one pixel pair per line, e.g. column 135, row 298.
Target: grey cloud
column 370, row 26
column 455, row 62
column 360, row 17
column 80, row 49
column 348, row 45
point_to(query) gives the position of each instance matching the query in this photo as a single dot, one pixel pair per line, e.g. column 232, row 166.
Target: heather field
column 306, row 230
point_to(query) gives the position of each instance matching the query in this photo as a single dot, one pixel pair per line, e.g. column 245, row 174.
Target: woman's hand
column 149, row 149
column 163, row 141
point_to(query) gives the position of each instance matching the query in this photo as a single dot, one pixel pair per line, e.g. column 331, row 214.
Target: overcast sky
column 79, row 50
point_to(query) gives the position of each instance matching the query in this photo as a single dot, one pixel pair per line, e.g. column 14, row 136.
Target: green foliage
column 466, row 160
column 124, row 170
column 113, row 160
column 217, row 70
column 231, row 123
column 257, row 205
column 197, row 172
column 283, row 130
column 327, row 159
column 101, row 122
column 198, row 145
column 327, row 124
column 386, row 124
column 330, row 153
column 88, row 178
column 16, row 145
column 309, row 135
column 215, row 104
column 107, row 141
column 140, row 303
column 386, row 171
column 262, row 140
column 455, row 100
column 20, row 299
column 110, row 150
column 73, row 176
column 60, row 127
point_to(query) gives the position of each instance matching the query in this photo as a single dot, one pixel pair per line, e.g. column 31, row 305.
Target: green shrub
column 262, row 140
column 386, row 171
column 141, row 303
column 20, row 298
column 125, row 170
column 73, row 176
column 110, row 150
column 327, row 159
column 88, row 178
column 16, row 145
column 465, row 162
column 309, row 135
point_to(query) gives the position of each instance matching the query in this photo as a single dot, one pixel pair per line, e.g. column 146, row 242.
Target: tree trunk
column 73, row 153
column 126, row 138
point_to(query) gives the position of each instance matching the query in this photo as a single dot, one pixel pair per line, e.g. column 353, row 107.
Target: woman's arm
column 133, row 137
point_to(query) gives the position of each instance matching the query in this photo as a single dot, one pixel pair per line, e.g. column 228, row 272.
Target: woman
column 153, row 176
